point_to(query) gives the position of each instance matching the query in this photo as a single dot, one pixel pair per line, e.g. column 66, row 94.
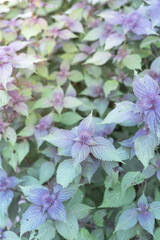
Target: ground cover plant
column 79, row 120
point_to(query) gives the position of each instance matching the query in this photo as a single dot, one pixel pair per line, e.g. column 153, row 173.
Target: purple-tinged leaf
column 158, row 174
column 127, row 220
column 112, row 17
column 76, row 27
column 40, row 133
column 145, row 87
column 18, row 45
column 32, row 218
column 122, row 112
column 12, row 182
column 143, row 201
column 66, row 193
column 21, row 108
column 5, row 73
column 146, row 220
column 3, row 174
column 153, row 12
column 114, row 40
column 57, row 211
column 25, row 61
column 61, row 138
column 36, row 196
column 79, row 57
column 87, row 125
column 104, row 150
column 66, row 34
column 5, row 200
column 80, row 152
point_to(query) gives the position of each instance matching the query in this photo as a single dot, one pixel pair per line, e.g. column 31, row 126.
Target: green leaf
column 46, row 231
column 4, row 220
column 70, row 47
column 98, row 234
column 66, row 172
column 93, row 34
column 42, row 70
column 46, row 171
column 127, row 234
column 109, row 86
column 4, row 98
column 50, row 44
column 84, row 234
column 29, row 32
column 10, row 156
column 22, row 150
column 76, row 76
column 10, row 136
column 132, row 61
column 27, row 131
column 99, row 58
column 70, row 118
column 80, row 210
column 131, row 179
column 155, row 209
column 148, row 40
column 98, row 217
column 68, row 229
column 116, row 198
column 8, row 235
column 144, row 147
column 16, row 154
column 157, row 234
column 42, row 103
column 121, row 113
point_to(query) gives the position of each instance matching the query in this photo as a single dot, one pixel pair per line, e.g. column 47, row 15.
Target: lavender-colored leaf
column 158, row 174
column 61, row 138
column 21, row 108
column 145, row 87
column 112, row 17
column 66, row 193
column 5, row 199
column 32, row 218
column 142, row 201
column 114, row 40
column 146, row 220
column 80, row 151
column 104, row 150
column 18, row 45
column 87, row 125
column 57, row 211
column 5, row 73
column 36, row 196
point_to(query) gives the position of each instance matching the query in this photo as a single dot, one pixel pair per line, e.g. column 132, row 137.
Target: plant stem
column 6, row 114
column 120, row 63
column 17, row 81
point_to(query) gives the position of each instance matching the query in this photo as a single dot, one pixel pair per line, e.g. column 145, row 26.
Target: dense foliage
column 79, row 120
